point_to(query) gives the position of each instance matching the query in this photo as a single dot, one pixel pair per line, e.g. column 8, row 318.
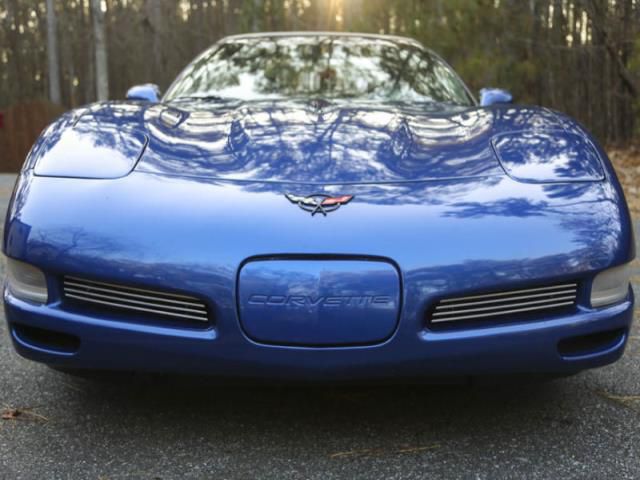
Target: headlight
column 26, row 282
column 610, row 286
column 548, row 157
column 87, row 151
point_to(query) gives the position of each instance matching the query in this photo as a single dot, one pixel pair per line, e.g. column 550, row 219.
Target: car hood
column 448, row 236
column 328, row 143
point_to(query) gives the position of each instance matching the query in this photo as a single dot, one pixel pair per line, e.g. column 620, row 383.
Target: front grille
column 506, row 303
column 135, row 300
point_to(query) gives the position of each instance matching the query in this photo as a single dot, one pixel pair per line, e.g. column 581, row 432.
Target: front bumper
column 518, row 348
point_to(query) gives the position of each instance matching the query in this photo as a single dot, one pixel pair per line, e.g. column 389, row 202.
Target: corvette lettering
column 322, row 301
column 319, row 203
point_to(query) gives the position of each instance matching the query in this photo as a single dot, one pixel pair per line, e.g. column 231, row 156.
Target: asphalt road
column 587, row 426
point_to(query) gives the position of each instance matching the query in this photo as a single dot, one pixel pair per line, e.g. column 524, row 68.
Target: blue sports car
column 318, row 207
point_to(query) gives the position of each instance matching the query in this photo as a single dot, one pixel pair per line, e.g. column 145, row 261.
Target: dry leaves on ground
column 627, row 164
column 10, row 413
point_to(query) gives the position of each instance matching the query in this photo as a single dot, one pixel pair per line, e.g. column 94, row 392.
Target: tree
column 352, row 14
column 155, row 21
column 52, row 54
column 100, row 42
column 578, row 56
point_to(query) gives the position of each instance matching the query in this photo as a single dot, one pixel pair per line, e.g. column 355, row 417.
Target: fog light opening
column 46, row 339
column 590, row 344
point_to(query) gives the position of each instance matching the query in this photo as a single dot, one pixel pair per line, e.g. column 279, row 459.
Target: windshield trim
column 266, row 35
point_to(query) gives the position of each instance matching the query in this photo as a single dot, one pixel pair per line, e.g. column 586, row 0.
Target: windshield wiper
column 202, row 98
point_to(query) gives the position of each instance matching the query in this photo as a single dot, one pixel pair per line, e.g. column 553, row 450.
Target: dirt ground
column 627, row 164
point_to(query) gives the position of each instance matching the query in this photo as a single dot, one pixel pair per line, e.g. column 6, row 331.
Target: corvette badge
column 319, row 203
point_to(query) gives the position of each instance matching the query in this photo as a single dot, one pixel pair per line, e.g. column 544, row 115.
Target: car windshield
column 328, row 67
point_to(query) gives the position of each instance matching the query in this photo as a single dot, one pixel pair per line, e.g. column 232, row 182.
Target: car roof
column 308, row 33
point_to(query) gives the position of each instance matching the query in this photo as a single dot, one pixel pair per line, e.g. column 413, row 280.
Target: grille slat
column 499, row 304
column 100, row 296
column 511, row 305
column 124, row 288
column 510, row 299
column 505, row 312
column 134, row 295
column 511, row 292
column 135, row 299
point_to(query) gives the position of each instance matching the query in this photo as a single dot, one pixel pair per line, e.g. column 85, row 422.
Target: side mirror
column 147, row 93
column 493, row 96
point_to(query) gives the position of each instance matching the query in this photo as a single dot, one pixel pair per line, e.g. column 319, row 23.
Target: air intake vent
column 500, row 304
column 135, row 300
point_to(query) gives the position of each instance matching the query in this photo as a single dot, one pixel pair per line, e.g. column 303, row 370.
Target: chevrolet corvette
column 318, row 207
